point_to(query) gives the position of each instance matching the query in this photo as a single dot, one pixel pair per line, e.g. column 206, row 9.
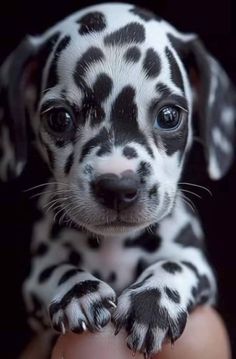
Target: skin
column 204, row 337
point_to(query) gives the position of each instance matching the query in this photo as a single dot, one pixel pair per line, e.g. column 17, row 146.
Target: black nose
column 117, row 192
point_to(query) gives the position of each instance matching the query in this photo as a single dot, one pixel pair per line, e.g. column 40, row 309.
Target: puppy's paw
column 150, row 318
column 87, row 305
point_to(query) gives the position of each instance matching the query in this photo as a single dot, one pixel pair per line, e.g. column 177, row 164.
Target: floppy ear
column 214, row 104
column 21, row 71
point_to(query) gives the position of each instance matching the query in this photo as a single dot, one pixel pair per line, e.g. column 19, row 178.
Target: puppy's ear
column 214, row 104
column 21, row 72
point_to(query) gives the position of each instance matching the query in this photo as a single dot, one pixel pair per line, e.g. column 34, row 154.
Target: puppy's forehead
column 109, row 47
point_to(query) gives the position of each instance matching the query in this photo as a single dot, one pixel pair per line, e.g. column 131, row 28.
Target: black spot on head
column 46, row 273
column 41, row 249
column 147, row 241
column 52, row 74
column 172, row 267
column 187, row 238
column 89, row 58
column 131, row 33
column 69, row 163
column 133, row 54
column 75, row 258
column 173, row 295
column 67, row 275
column 130, row 152
column 175, row 72
column 144, row 14
column 94, row 243
column 163, row 90
column 92, row 22
column 102, row 87
column 152, row 64
column 144, row 170
column 101, row 138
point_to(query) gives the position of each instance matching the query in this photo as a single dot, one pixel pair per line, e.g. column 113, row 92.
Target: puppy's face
column 113, row 120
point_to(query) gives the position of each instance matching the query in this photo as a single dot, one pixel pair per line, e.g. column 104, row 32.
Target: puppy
column 107, row 96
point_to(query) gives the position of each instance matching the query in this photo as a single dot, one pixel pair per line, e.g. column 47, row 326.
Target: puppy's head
column 110, row 93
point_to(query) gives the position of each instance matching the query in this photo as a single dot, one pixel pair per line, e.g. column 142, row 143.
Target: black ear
column 214, row 104
column 21, row 71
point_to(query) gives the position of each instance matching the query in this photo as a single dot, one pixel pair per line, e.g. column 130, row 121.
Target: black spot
column 69, row 163
column 75, row 258
column 187, row 238
column 149, row 342
column 101, row 138
column 144, row 170
column 141, row 266
column 130, row 152
column 102, row 87
column 131, row 33
column 147, row 241
column 100, row 315
column 176, row 326
column 172, row 267
column 141, row 283
column 124, row 120
column 104, row 150
column 92, row 109
column 52, row 74
column 89, row 58
column 153, row 192
column 133, row 54
column 152, row 64
column 46, row 273
column 175, row 72
column 172, row 295
column 112, row 277
column 145, row 306
column 67, row 275
column 92, row 22
column 144, row 14
column 97, row 274
column 94, row 243
column 41, row 249
column 163, row 89
column 191, row 266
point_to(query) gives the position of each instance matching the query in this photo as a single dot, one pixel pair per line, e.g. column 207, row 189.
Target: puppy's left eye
column 168, row 118
column 59, row 121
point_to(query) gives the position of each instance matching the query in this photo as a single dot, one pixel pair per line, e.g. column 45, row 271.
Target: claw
column 63, row 329
column 84, row 326
column 112, row 304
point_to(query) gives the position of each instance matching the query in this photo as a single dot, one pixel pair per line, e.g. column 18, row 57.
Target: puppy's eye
column 168, row 118
column 59, row 121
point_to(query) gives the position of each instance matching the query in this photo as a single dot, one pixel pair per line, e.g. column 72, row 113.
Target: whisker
column 198, row 186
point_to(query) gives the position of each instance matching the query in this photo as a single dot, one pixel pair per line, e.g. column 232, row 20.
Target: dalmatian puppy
column 107, row 96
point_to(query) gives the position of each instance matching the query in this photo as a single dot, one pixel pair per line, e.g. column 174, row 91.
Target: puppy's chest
column 118, row 262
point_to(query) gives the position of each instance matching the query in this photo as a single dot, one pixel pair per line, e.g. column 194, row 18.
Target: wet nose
column 117, row 192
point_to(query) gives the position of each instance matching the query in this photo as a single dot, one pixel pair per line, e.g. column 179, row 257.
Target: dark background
column 215, row 22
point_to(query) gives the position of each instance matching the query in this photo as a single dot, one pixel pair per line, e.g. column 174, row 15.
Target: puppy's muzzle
column 117, row 192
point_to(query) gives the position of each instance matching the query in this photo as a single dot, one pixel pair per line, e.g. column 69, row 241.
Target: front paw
column 87, row 305
column 150, row 318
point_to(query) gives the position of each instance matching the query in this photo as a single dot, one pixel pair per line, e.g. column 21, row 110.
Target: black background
column 215, row 22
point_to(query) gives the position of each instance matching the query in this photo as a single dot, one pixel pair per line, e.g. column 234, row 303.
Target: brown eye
column 59, row 121
column 168, row 118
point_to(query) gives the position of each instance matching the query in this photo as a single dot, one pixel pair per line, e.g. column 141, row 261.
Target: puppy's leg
column 155, row 308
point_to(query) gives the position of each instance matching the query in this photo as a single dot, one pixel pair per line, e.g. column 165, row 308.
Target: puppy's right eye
column 59, row 121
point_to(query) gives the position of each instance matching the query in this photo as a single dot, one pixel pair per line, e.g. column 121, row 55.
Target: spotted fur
column 117, row 241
